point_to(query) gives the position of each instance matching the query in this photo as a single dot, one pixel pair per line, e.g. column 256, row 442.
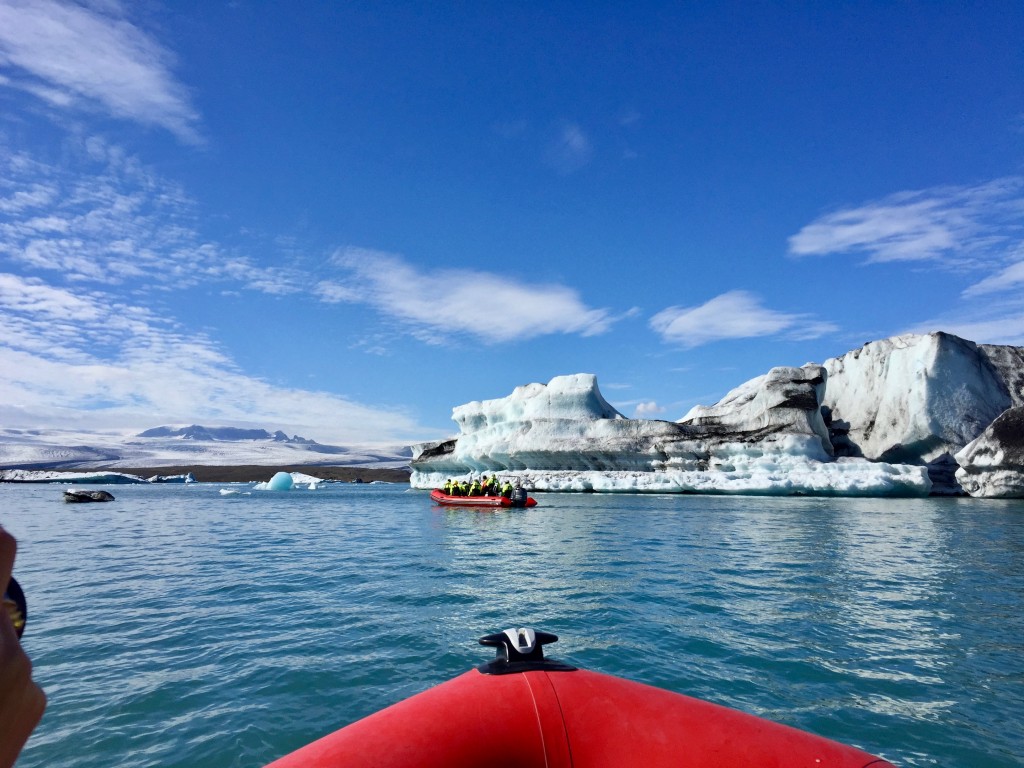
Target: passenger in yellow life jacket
column 447, row 487
column 475, row 490
column 506, row 490
column 491, row 486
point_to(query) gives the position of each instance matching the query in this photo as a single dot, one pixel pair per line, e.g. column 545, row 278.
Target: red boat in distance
column 442, row 498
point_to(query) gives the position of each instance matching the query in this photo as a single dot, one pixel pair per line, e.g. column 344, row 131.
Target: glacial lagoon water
column 178, row 626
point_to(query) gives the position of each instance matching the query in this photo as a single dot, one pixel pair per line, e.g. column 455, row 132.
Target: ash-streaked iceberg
column 914, row 398
column 993, row 464
column 883, row 420
column 766, row 437
column 920, row 399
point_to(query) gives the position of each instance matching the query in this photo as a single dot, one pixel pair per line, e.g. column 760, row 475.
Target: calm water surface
column 177, row 626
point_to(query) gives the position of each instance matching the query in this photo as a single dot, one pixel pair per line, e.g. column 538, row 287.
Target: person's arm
column 21, row 701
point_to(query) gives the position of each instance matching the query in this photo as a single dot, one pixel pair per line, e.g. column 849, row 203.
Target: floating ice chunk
column 300, row 478
column 281, row 481
column 284, row 481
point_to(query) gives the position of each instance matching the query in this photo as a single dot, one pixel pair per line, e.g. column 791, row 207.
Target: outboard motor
column 519, row 497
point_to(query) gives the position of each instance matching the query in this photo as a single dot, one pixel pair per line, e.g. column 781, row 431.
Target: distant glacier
column 181, row 446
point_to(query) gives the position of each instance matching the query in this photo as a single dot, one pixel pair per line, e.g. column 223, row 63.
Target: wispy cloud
column 998, row 323
column 73, row 56
column 491, row 307
column 733, row 315
column 83, row 248
column 570, row 149
column 101, row 216
column 992, row 311
column 954, row 225
column 1009, row 279
column 976, row 230
column 80, row 360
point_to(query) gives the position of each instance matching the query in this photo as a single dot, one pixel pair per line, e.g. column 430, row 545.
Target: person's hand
column 21, row 701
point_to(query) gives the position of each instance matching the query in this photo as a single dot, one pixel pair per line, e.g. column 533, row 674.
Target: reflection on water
column 181, row 626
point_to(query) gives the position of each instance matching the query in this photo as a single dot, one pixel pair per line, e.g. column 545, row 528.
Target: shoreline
column 246, row 473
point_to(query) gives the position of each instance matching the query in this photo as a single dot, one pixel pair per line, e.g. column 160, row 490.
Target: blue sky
column 344, row 219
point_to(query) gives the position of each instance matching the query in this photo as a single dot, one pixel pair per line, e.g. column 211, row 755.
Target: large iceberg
column 915, row 398
column 919, row 399
column 767, row 437
column 882, row 420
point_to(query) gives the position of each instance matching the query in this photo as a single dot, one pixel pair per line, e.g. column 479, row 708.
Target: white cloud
column 648, row 410
column 733, row 315
column 72, row 55
column 81, row 360
column 33, row 196
column 492, row 307
column 954, row 225
column 32, row 296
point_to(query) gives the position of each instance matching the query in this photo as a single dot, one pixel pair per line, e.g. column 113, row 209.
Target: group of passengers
column 488, row 486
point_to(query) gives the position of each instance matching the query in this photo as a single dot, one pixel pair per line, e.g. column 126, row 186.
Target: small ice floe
column 281, row 481
column 285, row 481
column 230, row 492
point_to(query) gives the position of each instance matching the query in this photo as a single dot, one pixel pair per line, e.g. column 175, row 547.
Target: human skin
column 21, row 701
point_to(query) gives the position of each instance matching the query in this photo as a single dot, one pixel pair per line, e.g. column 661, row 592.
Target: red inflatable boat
column 524, row 711
column 443, row 498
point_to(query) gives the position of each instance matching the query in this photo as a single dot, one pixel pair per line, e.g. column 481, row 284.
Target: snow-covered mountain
column 197, row 432
column 895, row 417
column 176, row 446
